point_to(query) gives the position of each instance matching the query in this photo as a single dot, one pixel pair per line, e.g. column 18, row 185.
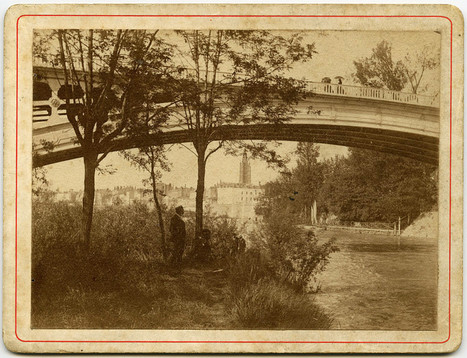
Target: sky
column 336, row 52
column 70, row 175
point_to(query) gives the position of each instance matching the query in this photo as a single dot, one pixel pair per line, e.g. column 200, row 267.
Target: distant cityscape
column 235, row 200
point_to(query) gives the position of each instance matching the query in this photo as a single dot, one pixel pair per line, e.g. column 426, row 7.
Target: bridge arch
column 387, row 121
column 415, row 146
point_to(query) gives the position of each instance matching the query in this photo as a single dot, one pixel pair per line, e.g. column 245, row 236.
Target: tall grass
column 270, row 283
column 263, row 300
column 268, row 304
column 123, row 283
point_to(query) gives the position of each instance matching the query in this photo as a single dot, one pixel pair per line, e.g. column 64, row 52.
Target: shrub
column 125, row 239
column 223, row 232
column 263, row 300
column 297, row 256
column 126, row 232
column 268, row 304
column 249, row 269
column 55, row 235
column 122, row 271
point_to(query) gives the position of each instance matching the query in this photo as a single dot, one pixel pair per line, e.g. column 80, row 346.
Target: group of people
column 333, row 89
column 328, row 79
column 202, row 249
column 202, row 246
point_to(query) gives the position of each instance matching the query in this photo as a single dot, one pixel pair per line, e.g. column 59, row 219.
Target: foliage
column 296, row 190
column 124, row 235
column 120, row 71
column 371, row 186
column 263, row 299
column 52, row 224
column 127, row 231
column 153, row 160
column 297, row 257
column 40, row 183
column 379, row 70
column 234, row 78
column 376, row 186
column 418, row 65
column 123, row 277
column 365, row 186
column 223, row 233
column 268, row 304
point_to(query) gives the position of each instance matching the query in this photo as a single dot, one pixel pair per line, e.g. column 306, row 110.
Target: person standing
column 177, row 237
column 340, row 90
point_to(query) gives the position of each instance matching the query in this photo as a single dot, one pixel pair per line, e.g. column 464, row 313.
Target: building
column 237, row 200
column 173, row 196
column 245, row 171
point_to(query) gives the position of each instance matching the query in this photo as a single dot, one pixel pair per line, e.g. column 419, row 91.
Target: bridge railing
column 372, row 93
column 346, row 90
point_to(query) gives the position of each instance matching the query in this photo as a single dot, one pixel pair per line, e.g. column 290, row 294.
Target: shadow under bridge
column 424, row 148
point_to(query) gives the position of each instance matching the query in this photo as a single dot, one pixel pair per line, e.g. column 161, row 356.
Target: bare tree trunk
column 90, row 163
column 159, row 214
column 200, row 191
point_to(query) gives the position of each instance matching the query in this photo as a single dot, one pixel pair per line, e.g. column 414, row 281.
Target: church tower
column 245, row 171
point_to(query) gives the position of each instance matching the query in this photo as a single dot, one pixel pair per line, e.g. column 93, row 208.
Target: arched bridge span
column 394, row 122
column 413, row 146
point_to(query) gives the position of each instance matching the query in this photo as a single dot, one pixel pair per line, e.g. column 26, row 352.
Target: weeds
column 123, row 283
column 269, row 304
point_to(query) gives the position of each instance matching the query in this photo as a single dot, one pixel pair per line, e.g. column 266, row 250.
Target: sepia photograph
column 234, row 181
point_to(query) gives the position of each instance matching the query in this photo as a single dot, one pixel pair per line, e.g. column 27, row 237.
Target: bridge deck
column 397, row 122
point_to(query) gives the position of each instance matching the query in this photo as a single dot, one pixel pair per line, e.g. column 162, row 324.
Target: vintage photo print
column 232, row 179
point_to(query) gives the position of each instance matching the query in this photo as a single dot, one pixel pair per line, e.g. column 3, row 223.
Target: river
column 371, row 284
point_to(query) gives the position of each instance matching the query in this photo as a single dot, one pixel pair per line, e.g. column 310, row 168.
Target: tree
column 40, row 183
column 296, row 190
column 235, row 78
column 308, row 175
column 372, row 186
column 417, row 66
column 377, row 186
column 152, row 159
column 379, row 70
column 113, row 67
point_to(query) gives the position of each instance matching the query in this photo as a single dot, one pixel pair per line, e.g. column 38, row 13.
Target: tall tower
column 245, row 171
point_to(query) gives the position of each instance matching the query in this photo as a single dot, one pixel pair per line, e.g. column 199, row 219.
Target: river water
column 371, row 284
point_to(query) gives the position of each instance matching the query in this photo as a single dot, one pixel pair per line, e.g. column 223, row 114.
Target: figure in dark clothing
column 202, row 248
column 327, row 87
column 340, row 89
column 177, row 237
column 240, row 244
column 204, row 252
